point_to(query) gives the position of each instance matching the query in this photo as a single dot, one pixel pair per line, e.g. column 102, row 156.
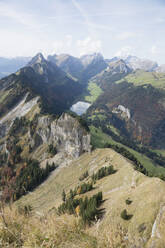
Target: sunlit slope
column 141, row 77
column 146, row 194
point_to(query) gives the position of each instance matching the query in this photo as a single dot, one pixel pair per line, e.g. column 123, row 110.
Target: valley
column 82, row 148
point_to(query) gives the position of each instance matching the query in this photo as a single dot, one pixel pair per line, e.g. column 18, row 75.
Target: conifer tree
column 63, row 195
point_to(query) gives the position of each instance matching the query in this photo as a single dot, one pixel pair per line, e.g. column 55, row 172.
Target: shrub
column 52, row 150
column 103, row 172
column 128, row 201
column 83, row 176
column 63, row 196
column 85, row 187
column 88, row 208
column 125, row 216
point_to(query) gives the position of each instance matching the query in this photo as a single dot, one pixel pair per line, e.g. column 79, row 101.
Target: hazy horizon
column 77, row 27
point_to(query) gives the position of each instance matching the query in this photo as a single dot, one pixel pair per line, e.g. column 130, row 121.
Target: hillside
column 131, row 102
column 146, row 196
column 140, row 77
column 51, row 159
column 40, row 78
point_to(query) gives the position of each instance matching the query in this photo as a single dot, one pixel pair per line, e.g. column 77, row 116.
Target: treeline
column 14, row 150
column 15, row 183
column 87, row 209
column 137, row 165
column 82, row 189
column 103, row 172
column 31, row 176
column 85, row 187
column 19, row 125
column 52, row 150
column 109, row 118
column 124, row 139
column 157, row 158
column 83, row 176
column 81, row 120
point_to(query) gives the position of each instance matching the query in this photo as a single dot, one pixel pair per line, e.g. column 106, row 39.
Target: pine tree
column 63, row 195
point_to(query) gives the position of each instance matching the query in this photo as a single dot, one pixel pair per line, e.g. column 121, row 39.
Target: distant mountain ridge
column 39, row 78
column 11, row 65
column 136, row 63
column 142, row 64
column 61, row 80
column 82, row 68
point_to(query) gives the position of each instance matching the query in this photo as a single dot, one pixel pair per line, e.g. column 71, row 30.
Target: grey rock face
column 65, row 133
column 119, row 67
column 143, row 64
column 20, row 110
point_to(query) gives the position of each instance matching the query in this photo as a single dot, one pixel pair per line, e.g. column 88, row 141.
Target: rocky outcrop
column 65, row 133
column 124, row 112
column 20, row 110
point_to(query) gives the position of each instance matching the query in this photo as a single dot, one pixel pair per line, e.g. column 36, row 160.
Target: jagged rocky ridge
column 57, row 91
column 82, row 68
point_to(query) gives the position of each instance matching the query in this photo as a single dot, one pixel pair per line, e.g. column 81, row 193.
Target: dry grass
column 52, row 231
column 147, row 195
column 47, row 231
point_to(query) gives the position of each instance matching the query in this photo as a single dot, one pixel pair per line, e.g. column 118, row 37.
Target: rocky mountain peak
column 91, row 58
column 119, row 66
column 143, row 64
column 37, row 59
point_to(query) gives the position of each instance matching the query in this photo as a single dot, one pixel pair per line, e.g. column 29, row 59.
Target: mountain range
column 11, row 65
column 75, row 66
column 82, row 181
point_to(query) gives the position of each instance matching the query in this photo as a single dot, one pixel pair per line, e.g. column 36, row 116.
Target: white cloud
column 60, row 46
column 154, row 50
column 124, row 51
column 126, row 35
column 89, row 45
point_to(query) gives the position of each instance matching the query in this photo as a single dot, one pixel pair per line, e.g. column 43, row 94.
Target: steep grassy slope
column 94, row 92
column 140, row 109
column 100, row 139
column 136, row 98
column 146, row 194
column 140, row 77
column 45, row 231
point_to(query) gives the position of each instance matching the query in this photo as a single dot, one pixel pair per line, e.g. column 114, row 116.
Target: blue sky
column 78, row 27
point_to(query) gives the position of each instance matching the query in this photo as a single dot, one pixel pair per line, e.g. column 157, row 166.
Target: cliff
column 65, row 134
